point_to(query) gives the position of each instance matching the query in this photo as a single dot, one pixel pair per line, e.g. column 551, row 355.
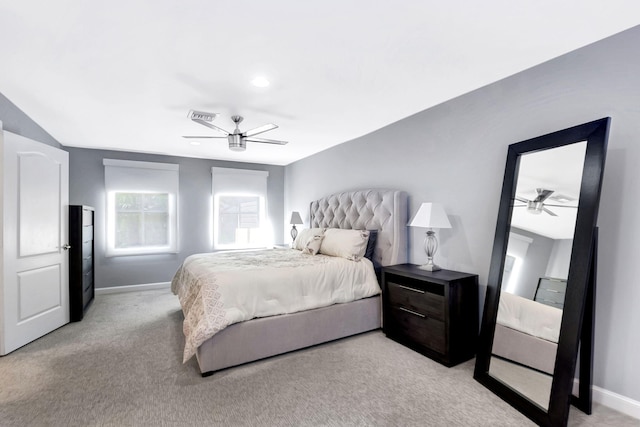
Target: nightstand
column 432, row 312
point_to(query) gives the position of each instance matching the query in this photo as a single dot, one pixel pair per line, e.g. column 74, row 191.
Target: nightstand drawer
column 87, row 264
column 551, row 298
column 87, row 217
column 87, row 233
column 87, row 280
column 426, row 331
column 426, row 302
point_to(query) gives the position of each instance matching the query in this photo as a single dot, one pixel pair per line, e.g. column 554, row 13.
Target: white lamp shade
column 295, row 218
column 430, row 215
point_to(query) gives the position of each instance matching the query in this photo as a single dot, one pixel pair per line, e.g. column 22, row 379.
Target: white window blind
column 239, row 208
column 142, row 207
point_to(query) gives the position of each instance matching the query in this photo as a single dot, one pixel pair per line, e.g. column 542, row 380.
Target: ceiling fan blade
column 209, row 125
column 202, row 137
column 549, row 212
column 561, row 206
column 520, row 199
column 266, row 141
column 542, row 195
column 260, row 129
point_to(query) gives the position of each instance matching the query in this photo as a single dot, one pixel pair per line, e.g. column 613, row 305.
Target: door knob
column 66, row 246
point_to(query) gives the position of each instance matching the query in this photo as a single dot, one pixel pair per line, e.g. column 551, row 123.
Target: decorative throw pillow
column 371, row 245
column 313, row 245
column 304, row 236
column 349, row 244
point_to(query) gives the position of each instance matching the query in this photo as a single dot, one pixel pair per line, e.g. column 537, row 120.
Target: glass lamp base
column 430, row 247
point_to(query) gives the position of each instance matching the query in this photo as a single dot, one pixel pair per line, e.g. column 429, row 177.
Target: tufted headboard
column 375, row 209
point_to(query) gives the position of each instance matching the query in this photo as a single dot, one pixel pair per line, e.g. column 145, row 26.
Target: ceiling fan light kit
column 539, row 205
column 237, row 140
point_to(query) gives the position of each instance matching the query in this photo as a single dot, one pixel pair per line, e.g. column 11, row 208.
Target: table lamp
column 295, row 219
column 430, row 215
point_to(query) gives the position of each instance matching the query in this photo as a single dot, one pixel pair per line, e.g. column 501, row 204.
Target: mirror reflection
column 536, row 266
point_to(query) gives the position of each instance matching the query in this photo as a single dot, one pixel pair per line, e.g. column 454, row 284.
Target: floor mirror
column 542, row 274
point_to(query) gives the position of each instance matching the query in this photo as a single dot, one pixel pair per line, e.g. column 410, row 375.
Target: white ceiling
column 123, row 74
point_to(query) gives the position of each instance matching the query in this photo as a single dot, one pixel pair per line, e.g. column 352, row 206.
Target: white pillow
column 313, row 245
column 304, row 236
column 349, row 244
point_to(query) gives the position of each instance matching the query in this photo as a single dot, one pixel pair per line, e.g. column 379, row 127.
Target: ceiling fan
column 538, row 205
column 237, row 139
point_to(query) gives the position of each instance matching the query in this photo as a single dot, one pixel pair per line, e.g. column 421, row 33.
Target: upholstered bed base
column 524, row 349
column 372, row 209
column 268, row 336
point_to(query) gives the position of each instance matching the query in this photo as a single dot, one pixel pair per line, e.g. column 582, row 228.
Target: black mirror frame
column 596, row 135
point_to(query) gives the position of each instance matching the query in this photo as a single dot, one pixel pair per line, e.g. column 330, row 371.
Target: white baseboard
column 617, row 401
column 132, row 288
column 612, row 400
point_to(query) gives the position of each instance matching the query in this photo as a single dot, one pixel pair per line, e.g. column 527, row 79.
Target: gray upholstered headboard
column 382, row 210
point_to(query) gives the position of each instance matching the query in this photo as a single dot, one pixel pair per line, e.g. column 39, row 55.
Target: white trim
column 521, row 237
column 140, row 165
column 242, row 183
column 232, row 171
column 127, row 176
column 612, row 400
column 133, row 288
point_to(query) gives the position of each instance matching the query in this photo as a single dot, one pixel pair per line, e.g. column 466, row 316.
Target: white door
column 34, row 296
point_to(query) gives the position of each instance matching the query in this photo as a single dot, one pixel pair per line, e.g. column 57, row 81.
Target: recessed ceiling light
column 194, row 143
column 260, row 82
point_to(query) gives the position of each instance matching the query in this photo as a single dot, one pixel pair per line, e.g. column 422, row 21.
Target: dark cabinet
column 551, row 292
column 81, row 275
column 432, row 312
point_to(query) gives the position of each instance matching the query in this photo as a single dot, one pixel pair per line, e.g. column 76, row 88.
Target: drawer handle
column 412, row 312
column 412, row 289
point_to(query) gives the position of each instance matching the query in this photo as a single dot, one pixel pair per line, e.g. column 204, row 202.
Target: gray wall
column 455, row 153
column 560, row 259
column 86, row 186
column 15, row 121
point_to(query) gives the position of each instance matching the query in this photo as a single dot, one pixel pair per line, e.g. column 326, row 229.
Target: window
column 239, row 208
column 141, row 220
column 517, row 248
column 141, row 207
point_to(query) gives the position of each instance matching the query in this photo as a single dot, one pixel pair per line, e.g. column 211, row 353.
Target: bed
column 527, row 332
column 384, row 211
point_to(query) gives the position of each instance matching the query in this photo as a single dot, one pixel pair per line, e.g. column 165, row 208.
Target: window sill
column 139, row 253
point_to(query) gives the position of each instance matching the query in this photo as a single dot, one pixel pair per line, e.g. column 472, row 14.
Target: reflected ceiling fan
column 237, row 139
column 538, row 205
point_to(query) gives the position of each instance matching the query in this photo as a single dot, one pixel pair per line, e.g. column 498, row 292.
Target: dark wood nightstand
column 432, row 312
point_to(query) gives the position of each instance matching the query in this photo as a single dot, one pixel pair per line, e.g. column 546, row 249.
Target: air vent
column 199, row 115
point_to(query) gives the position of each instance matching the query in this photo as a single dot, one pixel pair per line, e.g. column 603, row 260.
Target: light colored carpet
column 121, row 366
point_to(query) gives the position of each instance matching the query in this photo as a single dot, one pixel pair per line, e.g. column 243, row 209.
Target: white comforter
column 219, row 289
